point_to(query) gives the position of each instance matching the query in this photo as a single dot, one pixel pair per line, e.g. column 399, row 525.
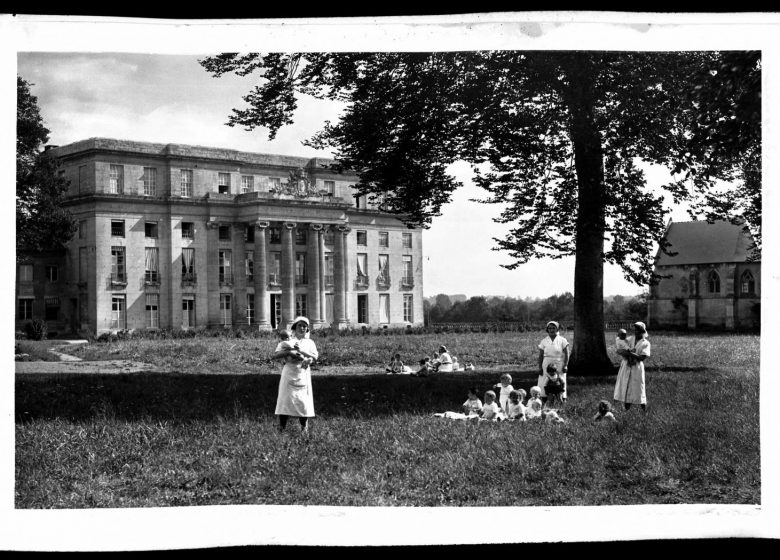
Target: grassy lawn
column 136, row 440
column 38, row 350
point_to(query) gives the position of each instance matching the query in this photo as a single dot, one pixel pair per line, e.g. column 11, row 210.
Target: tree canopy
column 41, row 222
column 557, row 138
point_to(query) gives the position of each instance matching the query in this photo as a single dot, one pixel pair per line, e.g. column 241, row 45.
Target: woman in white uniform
column 295, row 392
column 630, row 383
column 553, row 349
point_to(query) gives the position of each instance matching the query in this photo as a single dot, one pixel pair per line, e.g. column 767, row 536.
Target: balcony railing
column 329, row 280
column 383, row 281
column 119, row 279
column 152, row 277
column 189, row 278
column 274, row 280
column 407, row 282
column 361, row 281
column 226, row 278
column 301, row 279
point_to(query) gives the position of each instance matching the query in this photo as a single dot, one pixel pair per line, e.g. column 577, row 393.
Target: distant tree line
column 482, row 309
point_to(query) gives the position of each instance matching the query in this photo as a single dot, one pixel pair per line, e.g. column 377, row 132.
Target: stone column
column 340, row 277
column 315, row 274
column 212, row 275
column 323, row 272
column 288, row 273
column 261, row 276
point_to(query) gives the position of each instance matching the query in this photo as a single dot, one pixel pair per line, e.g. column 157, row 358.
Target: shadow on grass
column 181, row 397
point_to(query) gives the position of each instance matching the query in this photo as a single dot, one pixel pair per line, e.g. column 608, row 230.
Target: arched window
column 684, row 285
column 747, row 283
column 713, row 280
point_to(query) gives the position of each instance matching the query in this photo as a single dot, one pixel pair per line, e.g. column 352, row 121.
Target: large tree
column 41, row 221
column 555, row 137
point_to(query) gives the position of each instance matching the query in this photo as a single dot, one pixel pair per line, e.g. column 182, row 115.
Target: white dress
column 445, row 363
column 295, row 393
column 630, row 384
column 553, row 353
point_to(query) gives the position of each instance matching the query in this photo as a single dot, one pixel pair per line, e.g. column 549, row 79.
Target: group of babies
column 510, row 405
column 428, row 365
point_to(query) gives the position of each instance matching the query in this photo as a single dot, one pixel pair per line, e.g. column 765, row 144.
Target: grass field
column 181, row 439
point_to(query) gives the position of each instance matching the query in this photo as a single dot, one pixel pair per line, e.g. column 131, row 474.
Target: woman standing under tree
column 295, row 392
column 630, row 384
column 553, row 349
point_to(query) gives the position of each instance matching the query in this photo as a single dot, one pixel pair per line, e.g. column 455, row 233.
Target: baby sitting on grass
column 472, row 408
column 604, row 413
column 515, row 410
column 533, row 409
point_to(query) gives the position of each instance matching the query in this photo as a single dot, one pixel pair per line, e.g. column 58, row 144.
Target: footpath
column 71, row 364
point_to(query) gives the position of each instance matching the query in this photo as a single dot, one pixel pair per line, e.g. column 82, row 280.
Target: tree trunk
column 589, row 355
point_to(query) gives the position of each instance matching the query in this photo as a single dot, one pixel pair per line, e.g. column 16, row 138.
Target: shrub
column 36, row 329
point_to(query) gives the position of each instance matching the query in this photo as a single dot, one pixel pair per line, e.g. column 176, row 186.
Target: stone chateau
column 177, row 236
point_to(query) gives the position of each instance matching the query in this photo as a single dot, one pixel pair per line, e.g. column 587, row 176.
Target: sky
column 172, row 99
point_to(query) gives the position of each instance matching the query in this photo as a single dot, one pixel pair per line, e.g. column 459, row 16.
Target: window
column 384, row 270
column 300, row 236
column 362, row 268
column 116, row 179
column 713, row 282
column 224, row 183
column 362, row 238
column 329, row 237
column 186, row 183
column 328, row 269
column 150, row 181
column 362, row 308
column 82, row 178
column 224, row 233
column 25, row 273
column 118, row 315
column 274, row 235
column 118, row 228
column 247, row 184
column 300, row 269
column 249, row 265
column 82, row 229
column 187, row 230
column 152, row 265
column 225, row 311
column 384, row 308
column 384, row 239
column 406, row 238
column 225, row 275
column 52, row 306
column 300, row 305
column 408, row 308
column 747, row 283
column 408, row 278
column 275, row 272
column 684, row 285
column 250, row 309
column 117, row 264
column 188, row 265
column 150, row 228
column 83, row 264
column 330, row 188
column 360, row 201
column 52, row 272
column 152, row 311
column 249, row 233
column 26, row 308
column 275, row 183
column 187, row 311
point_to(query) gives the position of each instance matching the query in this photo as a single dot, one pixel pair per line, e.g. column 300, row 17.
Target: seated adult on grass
column 444, row 361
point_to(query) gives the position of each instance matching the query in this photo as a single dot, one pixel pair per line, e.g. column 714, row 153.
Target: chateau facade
column 174, row 236
column 711, row 280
